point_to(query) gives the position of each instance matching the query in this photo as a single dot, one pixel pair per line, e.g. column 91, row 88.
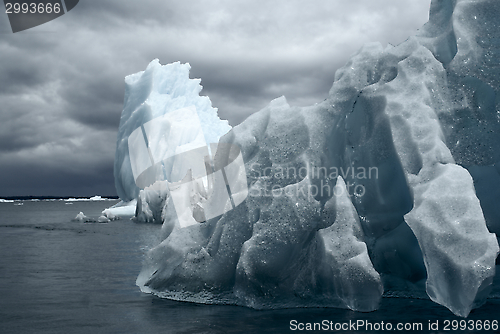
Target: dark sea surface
column 63, row 276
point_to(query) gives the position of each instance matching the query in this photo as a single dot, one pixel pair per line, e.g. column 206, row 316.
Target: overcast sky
column 62, row 83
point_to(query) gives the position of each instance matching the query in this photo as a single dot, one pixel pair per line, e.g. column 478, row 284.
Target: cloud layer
column 62, row 82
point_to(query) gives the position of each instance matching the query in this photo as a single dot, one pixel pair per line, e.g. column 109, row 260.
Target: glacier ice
column 163, row 115
column 121, row 209
column 6, row 200
column 91, row 199
column 81, row 217
column 389, row 186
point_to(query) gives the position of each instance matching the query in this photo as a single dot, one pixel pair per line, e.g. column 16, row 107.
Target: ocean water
column 64, row 276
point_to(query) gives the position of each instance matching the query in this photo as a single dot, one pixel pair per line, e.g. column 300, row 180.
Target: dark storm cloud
column 62, row 88
column 20, row 68
column 96, row 102
column 242, row 90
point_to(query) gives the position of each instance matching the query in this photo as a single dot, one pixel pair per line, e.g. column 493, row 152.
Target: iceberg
column 388, row 187
column 81, row 217
column 121, row 210
column 163, row 115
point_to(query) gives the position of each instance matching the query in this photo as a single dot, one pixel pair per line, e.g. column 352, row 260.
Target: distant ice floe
column 121, row 209
column 6, row 200
column 82, row 218
column 91, row 199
